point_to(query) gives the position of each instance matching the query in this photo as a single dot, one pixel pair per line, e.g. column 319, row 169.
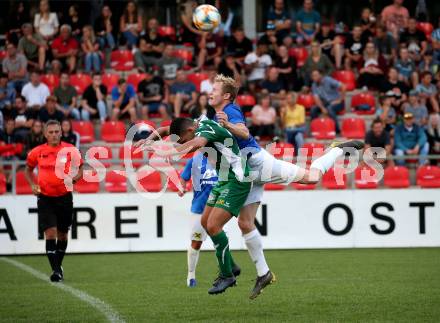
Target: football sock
column 193, row 259
column 221, row 244
column 255, row 248
column 51, row 252
column 325, row 162
column 61, row 250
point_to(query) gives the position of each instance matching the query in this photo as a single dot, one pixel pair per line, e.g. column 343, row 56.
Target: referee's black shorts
column 55, row 211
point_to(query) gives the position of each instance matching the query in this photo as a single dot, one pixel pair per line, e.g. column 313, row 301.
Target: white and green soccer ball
column 206, row 17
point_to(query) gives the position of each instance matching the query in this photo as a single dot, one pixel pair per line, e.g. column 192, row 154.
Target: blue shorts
column 154, row 106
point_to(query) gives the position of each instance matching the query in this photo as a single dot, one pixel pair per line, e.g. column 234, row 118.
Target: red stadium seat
column 21, row 184
column 197, row 78
column 365, row 177
column 82, row 186
column 323, row 128
column 427, row 28
column 303, row 187
column 149, row 181
column 185, row 54
column 428, row 176
column 396, row 177
column 306, row 100
column 246, row 100
column 165, row 123
column 282, row 150
column 122, row 60
column 85, row 130
column 3, row 54
column 167, row 31
column 2, row 183
column 116, row 181
column 274, row 187
column 364, row 98
column 80, row 82
column 300, row 54
column 96, row 151
column 135, row 79
column 110, row 80
column 127, row 151
column 113, row 131
column 51, row 80
column 335, row 179
column 346, row 77
column 353, row 128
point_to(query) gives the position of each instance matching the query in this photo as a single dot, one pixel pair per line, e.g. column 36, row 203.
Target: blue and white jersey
column 235, row 115
column 204, row 178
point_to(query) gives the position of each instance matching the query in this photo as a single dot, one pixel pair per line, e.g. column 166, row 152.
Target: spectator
column 15, row 66
column 93, row 100
column 273, row 86
column 151, row 46
column 33, row 46
column 286, row 66
column 210, row 48
column 64, row 51
column 189, row 33
column 269, row 38
column 316, row 61
column 183, row 94
column 9, row 135
column 124, row 101
column 90, row 47
column 68, row 135
column 46, row 22
column 428, row 92
column 67, row 98
column 169, row 64
column 293, row 121
column 226, row 21
column 329, row 96
column 436, row 43
column 367, row 24
column 201, row 107
column 433, row 133
column 308, row 22
column 386, row 113
column 130, row 24
column 206, row 85
column 378, row 137
column 418, row 110
column 104, row 27
column 75, row 22
column 35, row 92
column 2, row 120
column 386, row 44
column 34, row 138
column 415, row 40
column 7, row 94
column 263, row 118
column 239, row 45
column 18, row 16
column 373, row 68
column 399, row 88
column 427, row 64
column 151, row 93
column 331, row 45
column 256, row 64
column 395, row 17
column 230, row 67
column 50, row 111
column 406, row 68
column 23, row 117
column 410, row 139
column 354, row 48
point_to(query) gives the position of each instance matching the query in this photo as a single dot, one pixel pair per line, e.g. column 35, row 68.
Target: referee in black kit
column 55, row 161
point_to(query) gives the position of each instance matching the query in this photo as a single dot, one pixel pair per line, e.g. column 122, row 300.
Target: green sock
column 221, row 244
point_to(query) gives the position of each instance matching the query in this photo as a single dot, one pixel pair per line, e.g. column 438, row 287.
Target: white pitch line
column 110, row 314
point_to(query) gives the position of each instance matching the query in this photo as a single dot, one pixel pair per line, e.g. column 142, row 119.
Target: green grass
column 355, row 285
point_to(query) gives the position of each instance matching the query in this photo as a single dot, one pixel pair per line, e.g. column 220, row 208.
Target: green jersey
column 227, row 157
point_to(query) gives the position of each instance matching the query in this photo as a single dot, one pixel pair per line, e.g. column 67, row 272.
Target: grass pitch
column 354, row 285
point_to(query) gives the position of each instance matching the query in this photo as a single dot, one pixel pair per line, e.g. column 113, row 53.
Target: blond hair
column 229, row 85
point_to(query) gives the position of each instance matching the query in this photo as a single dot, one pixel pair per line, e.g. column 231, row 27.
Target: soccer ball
column 206, row 17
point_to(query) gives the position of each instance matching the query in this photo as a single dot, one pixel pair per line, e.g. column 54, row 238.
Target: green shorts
column 229, row 196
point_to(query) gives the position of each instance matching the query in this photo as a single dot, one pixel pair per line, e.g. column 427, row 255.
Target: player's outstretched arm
column 154, row 135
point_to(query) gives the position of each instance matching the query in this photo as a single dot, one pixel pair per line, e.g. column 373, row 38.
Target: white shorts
column 198, row 233
column 265, row 168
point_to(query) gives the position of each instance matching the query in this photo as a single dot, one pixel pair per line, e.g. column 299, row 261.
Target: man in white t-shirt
column 35, row 92
column 256, row 64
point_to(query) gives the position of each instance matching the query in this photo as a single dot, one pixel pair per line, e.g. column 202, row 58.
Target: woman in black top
column 286, row 66
column 18, row 16
column 34, row 138
column 67, row 133
column 75, row 22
